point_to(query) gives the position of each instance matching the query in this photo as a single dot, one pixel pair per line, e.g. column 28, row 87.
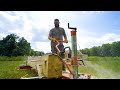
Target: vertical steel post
column 74, row 52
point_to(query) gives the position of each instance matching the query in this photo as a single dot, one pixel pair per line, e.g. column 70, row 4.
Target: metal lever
column 71, row 27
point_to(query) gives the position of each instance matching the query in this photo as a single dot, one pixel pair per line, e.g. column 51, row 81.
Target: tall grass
column 99, row 67
column 18, row 58
column 10, row 70
column 102, row 67
column 110, row 63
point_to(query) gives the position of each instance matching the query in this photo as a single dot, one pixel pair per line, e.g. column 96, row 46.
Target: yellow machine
column 50, row 66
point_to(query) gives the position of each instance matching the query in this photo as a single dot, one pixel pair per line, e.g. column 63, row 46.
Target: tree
column 105, row 50
column 115, row 48
column 12, row 45
column 1, row 47
column 87, row 51
column 9, row 44
column 94, row 51
column 23, row 47
column 32, row 53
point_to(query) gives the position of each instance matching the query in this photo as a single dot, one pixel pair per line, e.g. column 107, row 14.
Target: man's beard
column 56, row 25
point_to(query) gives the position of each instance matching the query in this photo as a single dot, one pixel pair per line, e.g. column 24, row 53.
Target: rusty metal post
column 74, row 52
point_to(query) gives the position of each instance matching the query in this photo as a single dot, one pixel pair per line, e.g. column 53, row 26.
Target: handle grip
column 58, row 41
column 71, row 27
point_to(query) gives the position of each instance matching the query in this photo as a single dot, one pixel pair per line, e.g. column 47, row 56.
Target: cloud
column 41, row 46
column 109, row 38
column 82, row 42
column 8, row 16
column 35, row 26
column 39, row 35
column 1, row 36
column 9, row 23
column 90, row 41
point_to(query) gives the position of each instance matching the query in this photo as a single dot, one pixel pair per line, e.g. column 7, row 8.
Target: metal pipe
column 58, row 43
column 74, row 52
column 57, row 46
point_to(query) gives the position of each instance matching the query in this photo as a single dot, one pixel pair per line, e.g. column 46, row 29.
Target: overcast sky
column 93, row 27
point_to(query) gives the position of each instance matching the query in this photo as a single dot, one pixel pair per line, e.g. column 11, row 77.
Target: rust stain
column 74, row 60
column 73, row 33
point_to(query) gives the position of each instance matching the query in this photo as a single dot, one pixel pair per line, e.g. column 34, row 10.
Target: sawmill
column 50, row 66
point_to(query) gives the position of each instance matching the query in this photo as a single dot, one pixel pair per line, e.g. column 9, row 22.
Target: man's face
column 56, row 23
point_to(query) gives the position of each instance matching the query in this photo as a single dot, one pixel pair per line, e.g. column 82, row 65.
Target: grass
column 102, row 67
column 9, row 70
column 87, row 70
column 98, row 67
column 18, row 58
column 110, row 63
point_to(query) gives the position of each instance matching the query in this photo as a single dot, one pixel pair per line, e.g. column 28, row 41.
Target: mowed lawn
column 10, row 70
column 97, row 67
column 102, row 67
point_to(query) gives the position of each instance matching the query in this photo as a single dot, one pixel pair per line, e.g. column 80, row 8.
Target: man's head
column 56, row 22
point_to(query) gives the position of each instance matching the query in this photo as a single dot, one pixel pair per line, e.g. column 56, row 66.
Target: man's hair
column 56, row 19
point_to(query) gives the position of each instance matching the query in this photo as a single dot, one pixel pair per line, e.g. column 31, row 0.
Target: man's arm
column 65, row 36
column 65, row 40
column 50, row 36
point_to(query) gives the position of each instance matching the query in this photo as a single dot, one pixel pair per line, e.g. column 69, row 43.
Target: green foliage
column 115, row 49
column 94, row 51
column 23, row 47
column 105, row 50
column 12, row 45
column 10, row 70
column 112, row 49
column 85, row 51
column 102, row 67
column 107, row 62
column 18, row 58
column 97, row 67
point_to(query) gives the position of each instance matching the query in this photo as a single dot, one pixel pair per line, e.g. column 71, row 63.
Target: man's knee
column 61, row 47
column 53, row 50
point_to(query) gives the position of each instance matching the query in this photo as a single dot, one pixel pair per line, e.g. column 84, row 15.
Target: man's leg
column 53, row 50
column 61, row 47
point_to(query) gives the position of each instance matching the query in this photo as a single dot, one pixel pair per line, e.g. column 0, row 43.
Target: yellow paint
column 51, row 65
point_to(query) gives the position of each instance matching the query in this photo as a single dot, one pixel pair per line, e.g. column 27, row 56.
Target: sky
column 94, row 28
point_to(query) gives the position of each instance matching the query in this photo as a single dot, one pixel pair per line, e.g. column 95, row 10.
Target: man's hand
column 66, row 41
column 53, row 39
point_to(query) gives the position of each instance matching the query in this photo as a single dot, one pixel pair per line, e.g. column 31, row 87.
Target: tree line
column 112, row 49
column 13, row 45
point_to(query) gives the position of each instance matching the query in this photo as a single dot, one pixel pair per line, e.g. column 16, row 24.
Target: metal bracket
column 71, row 27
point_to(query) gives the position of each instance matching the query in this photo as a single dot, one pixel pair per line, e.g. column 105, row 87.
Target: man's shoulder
column 55, row 28
column 52, row 28
column 61, row 27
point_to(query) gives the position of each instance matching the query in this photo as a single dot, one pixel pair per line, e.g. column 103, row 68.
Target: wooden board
column 51, row 65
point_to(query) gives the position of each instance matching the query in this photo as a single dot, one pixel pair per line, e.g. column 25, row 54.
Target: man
column 57, row 33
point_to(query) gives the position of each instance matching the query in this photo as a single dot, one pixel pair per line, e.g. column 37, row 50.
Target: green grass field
column 97, row 67
column 102, row 67
column 9, row 69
